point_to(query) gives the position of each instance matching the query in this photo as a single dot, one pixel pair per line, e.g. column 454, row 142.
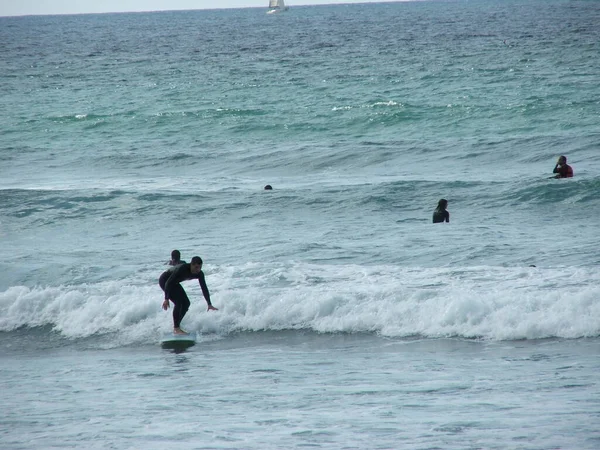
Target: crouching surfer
column 170, row 282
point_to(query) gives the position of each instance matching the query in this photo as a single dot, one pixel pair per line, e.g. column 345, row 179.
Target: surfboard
column 176, row 341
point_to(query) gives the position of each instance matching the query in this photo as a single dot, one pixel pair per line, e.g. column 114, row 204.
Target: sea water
column 346, row 318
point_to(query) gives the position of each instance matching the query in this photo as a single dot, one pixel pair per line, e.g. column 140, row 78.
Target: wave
column 553, row 192
column 478, row 302
column 412, row 199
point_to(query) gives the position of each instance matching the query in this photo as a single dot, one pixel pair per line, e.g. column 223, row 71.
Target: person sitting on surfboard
column 562, row 169
column 170, row 281
column 176, row 258
column 440, row 214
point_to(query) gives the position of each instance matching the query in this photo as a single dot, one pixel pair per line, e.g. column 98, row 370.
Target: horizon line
column 142, row 11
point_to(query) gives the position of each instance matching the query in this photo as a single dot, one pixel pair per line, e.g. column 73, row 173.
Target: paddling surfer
column 170, row 282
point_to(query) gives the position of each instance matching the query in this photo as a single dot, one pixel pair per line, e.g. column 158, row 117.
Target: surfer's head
column 196, row 264
column 442, row 204
column 268, row 187
column 175, row 255
column 562, row 159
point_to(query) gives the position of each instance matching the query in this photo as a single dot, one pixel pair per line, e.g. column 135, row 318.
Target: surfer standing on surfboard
column 170, row 281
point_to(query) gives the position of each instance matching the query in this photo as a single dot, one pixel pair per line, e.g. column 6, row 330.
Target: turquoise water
column 125, row 136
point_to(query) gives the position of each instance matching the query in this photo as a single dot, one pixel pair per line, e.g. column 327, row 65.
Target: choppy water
column 347, row 319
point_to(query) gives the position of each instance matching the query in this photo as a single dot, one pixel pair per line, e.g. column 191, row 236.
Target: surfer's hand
column 165, row 305
column 211, row 308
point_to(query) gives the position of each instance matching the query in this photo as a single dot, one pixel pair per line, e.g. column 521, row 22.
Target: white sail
column 276, row 5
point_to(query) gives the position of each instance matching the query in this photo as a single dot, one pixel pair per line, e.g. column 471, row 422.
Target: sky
column 41, row 7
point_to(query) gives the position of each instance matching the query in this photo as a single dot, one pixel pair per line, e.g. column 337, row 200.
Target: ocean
column 347, row 319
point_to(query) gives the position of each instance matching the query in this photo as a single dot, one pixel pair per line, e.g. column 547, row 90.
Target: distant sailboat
column 276, row 6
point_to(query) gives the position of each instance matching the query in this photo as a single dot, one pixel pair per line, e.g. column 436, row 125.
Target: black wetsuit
column 170, row 281
column 176, row 263
column 441, row 215
column 563, row 170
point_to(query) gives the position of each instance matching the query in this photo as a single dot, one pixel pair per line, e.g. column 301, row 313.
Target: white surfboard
column 172, row 340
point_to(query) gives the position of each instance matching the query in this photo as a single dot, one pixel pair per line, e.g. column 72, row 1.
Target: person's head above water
column 562, row 159
column 442, row 204
column 175, row 258
column 196, row 264
column 268, row 187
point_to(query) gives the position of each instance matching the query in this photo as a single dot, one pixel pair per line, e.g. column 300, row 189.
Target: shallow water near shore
column 293, row 389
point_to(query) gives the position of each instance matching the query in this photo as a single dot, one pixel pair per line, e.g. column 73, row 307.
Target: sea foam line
column 485, row 302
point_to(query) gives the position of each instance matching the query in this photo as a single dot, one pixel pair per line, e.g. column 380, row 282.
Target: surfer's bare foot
column 179, row 331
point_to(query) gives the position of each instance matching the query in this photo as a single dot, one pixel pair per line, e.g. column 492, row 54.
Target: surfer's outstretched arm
column 205, row 292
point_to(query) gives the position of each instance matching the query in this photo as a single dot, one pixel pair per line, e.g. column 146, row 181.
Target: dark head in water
column 175, row 258
column 442, row 205
column 268, row 187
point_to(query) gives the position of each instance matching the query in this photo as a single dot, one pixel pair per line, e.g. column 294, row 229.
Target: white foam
column 478, row 302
